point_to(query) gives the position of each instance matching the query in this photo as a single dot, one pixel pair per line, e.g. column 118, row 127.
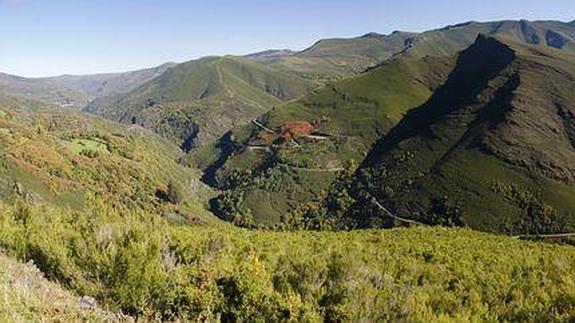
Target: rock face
column 87, row 302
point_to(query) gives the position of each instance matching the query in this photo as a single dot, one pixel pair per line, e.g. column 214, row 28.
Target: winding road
column 391, row 215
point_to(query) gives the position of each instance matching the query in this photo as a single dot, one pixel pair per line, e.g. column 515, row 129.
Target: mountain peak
column 463, row 24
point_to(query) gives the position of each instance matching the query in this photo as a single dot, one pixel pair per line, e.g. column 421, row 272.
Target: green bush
column 141, row 264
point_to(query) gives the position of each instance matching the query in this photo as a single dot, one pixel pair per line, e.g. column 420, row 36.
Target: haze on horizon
column 46, row 38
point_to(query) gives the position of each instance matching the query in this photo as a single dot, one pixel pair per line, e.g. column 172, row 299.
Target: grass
column 79, row 145
column 26, row 296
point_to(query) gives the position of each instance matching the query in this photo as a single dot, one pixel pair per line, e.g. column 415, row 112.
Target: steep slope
column 51, row 156
column 76, row 91
column 198, row 101
column 493, row 148
column 268, row 175
column 28, row 297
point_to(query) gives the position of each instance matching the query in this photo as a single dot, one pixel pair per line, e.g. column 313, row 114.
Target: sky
column 54, row 37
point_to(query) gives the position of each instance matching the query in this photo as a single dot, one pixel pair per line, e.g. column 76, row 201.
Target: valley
column 413, row 176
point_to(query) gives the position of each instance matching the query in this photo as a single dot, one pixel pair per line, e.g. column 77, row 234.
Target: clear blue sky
column 51, row 37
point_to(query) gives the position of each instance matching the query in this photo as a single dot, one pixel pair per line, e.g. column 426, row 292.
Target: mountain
column 54, row 156
column 350, row 134
column 76, row 90
column 41, row 90
column 373, row 48
column 493, row 148
column 268, row 177
column 343, row 127
column 201, row 100
column 198, row 101
column 99, row 85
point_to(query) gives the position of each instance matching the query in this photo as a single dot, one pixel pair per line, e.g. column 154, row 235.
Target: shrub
column 174, row 192
column 146, row 267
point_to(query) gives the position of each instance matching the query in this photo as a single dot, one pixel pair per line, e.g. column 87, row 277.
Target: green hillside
column 197, row 102
column 267, row 178
column 492, row 149
column 51, row 156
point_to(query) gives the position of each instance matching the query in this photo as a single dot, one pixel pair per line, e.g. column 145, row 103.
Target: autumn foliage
column 295, row 129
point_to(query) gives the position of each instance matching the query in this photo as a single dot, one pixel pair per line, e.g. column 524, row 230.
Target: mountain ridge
column 77, row 90
column 430, row 164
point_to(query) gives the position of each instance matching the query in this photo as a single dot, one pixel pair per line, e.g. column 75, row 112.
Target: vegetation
column 348, row 117
column 51, row 156
column 27, row 296
column 144, row 266
column 484, row 139
column 199, row 101
column 480, row 143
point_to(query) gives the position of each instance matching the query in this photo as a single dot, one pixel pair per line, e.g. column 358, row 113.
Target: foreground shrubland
column 25, row 296
column 142, row 265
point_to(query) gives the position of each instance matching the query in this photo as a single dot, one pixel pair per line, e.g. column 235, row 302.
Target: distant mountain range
column 532, row 141
column 425, row 114
column 271, row 77
column 77, row 91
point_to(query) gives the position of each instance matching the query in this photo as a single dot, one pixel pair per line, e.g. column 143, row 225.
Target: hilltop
column 199, row 101
column 374, row 48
